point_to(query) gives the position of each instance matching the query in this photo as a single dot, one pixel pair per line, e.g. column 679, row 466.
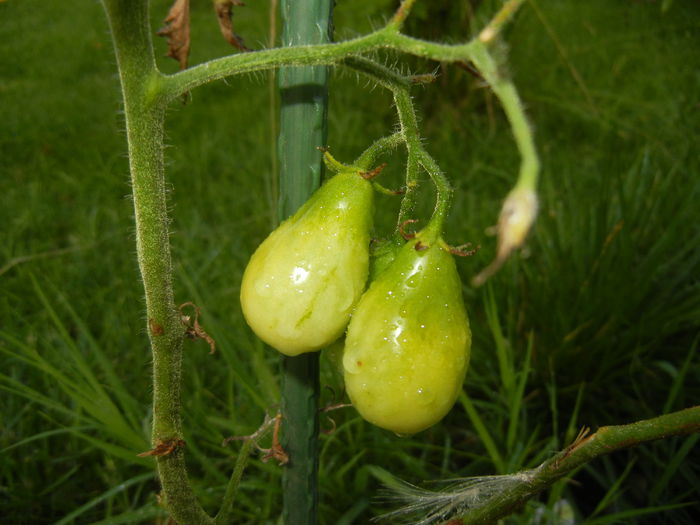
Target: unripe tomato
column 382, row 254
column 303, row 281
column 408, row 343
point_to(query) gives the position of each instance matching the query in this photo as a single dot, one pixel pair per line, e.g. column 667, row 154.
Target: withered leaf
column 224, row 13
column 177, row 31
column 164, row 448
column 193, row 329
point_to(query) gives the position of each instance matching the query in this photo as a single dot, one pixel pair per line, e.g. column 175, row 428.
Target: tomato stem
column 144, row 115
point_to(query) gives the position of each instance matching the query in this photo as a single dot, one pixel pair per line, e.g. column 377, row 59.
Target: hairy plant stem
column 505, row 90
column 583, row 450
column 312, row 55
column 139, row 77
column 486, row 499
column 369, row 157
column 226, row 513
column 303, row 110
column 417, row 155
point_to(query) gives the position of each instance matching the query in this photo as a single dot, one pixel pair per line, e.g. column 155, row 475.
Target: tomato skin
column 304, row 280
column 382, row 254
column 408, row 344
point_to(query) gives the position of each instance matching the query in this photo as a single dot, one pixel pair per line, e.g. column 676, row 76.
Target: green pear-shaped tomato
column 408, row 343
column 303, row 281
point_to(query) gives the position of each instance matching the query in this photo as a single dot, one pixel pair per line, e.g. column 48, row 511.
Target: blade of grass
column 503, row 354
column 101, row 410
column 672, row 466
column 627, row 515
column 613, row 490
column 147, row 513
column 483, row 433
column 516, row 399
column 679, row 379
column 130, row 407
column 104, row 496
column 44, row 435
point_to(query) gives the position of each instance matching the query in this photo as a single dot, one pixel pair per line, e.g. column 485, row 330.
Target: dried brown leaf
column 177, row 31
column 164, row 448
column 224, row 13
column 193, row 329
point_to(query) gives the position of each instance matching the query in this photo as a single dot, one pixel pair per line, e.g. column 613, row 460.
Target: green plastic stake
column 303, row 108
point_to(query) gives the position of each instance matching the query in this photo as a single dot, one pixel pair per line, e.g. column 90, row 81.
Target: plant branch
column 389, row 37
column 444, row 195
column 490, row 498
column 401, row 14
column 226, row 514
column 519, row 210
column 417, row 156
column 582, row 450
column 368, row 158
column 505, row 90
column 493, row 28
column 313, row 55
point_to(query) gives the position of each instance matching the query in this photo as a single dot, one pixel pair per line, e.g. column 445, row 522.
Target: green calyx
column 408, row 343
column 304, row 280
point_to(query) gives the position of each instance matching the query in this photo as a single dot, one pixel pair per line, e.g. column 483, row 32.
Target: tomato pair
column 408, row 338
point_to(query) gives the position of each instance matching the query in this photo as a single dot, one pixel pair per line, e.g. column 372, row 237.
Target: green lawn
column 598, row 318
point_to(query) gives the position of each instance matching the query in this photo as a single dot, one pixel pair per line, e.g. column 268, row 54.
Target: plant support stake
column 303, row 108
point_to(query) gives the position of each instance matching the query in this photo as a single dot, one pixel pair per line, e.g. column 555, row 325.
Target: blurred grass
column 596, row 325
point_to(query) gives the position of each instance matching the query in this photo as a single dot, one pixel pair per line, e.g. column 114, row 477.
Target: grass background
column 597, row 323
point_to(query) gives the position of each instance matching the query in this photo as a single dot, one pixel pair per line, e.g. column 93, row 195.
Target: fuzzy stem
column 312, row 55
column 417, row 155
column 369, row 157
column 226, row 514
column 487, row 499
column 444, row 191
column 139, row 77
column 493, row 28
column 411, row 135
column 401, row 14
column 504, row 89
column 304, row 102
column 604, row 441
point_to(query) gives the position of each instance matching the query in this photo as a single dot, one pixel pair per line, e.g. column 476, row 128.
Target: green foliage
column 596, row 325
